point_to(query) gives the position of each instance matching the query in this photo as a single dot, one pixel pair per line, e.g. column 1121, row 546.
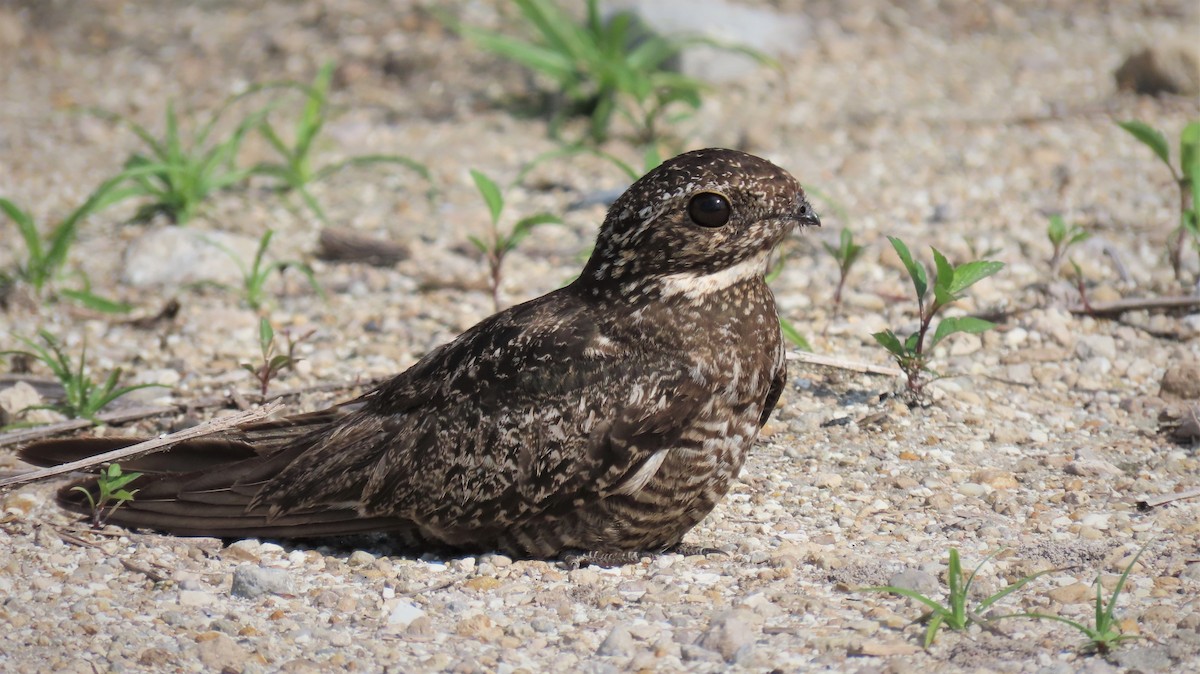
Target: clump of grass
column 1104, row 634
column 602, row 68
column 1186, row 177
column 295, row 169
column 256, row 274
column 83, row 398
column 273, row 362
column 111, row 484
column 498, row 243
column 1062, row 236
column 955, row 614
column 846, row 253
column 46, row 254
column 950, row 285
column 177, row 174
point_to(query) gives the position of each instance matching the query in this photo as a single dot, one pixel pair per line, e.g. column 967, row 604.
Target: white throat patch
column 694, row 285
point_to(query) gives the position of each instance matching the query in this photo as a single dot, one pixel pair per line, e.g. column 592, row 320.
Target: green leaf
column 88, row 495
column 950, row 326
column 266, row 334
column 1102, row 622
column 970, row 273
column 936, row 608
column 491, row 194
column 123, row 495
column 1151, row 138
column 916, row 271
column 888, row 340
column 478, row 243
column 1189, row 152
column 1057, row 230
column 524, row 227
column 97, row 303
column 793, row 335
column 945, row 271
column 943, row 297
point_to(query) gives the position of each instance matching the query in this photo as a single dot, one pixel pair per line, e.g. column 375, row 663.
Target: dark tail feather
column 196, row 455
column 221, row 514
column 205, row 487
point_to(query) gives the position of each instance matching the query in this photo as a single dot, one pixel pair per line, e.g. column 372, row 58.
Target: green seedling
column 273, row 362
column 955, row 614
column 256, row 274
column 83, row 398
column 295, row 171
column 111, row 483
column 45, row 255
column 1062, row 236
column 601, row 68
column 499, row 244
column 950, row 285
column 651, row 158
column 178, row 175
column 1080, row 286
column 793, row 335
column 846, row 253
column 1187, row 176
column 786, row 327
column 1105, row 633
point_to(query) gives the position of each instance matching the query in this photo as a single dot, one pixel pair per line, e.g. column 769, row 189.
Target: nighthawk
column 609, row 416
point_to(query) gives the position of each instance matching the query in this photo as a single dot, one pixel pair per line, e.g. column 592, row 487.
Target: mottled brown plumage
column 610, row 415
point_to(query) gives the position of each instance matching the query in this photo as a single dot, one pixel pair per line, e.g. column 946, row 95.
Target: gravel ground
column 957, row 125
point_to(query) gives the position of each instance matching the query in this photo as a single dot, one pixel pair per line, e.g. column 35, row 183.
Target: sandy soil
column 955, row 125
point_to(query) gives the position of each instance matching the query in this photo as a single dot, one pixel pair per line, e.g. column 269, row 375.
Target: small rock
column 252, row 581
column 828, row 481
column 1075, row 593
column 221, row 653
column 995, row 478
column 619, row 642
column 14, row 400
column 1171, row 68
column 1096, row 346
column 1191, row 571
column 769, row 31
column 915, row 580
column 1016, row 337
column 360, row 558
column 196, row 598
column 404, row 613
column 1145, row 659
column 174, row 256
column 1182, row 380
column 1091, row 468
column 242, row 551
column 483, row 583
column 478, row 626
column 731, row 631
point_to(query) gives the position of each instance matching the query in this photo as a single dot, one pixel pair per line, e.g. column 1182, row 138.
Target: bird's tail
column 204, row 487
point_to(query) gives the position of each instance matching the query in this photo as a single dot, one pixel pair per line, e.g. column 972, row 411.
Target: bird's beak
column 806, row 215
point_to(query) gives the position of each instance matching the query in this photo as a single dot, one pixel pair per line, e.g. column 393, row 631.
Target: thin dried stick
column 123, row 416
column 842, row 364
column 137, row 413
column 1137, row 304
column 142, row 448
column 1155, row 501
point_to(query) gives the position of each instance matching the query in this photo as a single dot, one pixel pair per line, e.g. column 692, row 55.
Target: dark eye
column 709, row 209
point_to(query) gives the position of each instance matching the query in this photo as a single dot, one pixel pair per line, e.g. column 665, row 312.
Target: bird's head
column 704, row 220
